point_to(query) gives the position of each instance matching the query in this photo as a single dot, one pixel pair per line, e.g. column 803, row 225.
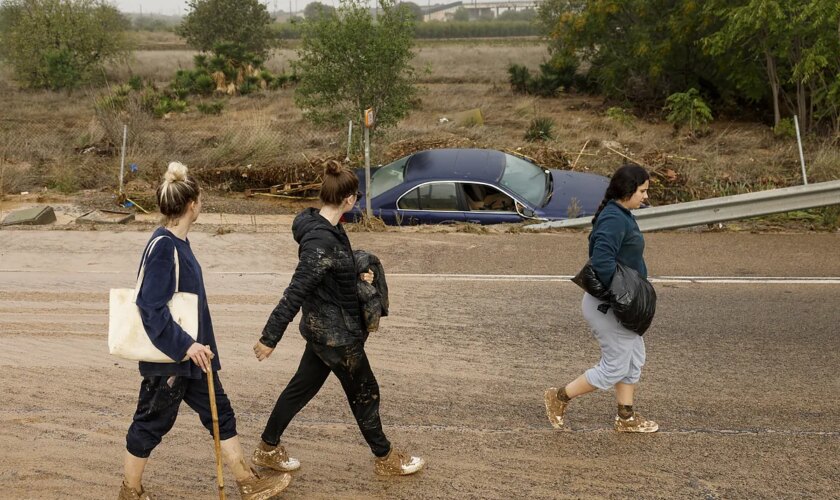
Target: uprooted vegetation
column 262, row 139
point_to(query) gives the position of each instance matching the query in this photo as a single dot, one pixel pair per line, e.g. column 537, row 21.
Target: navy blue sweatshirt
column 616, row 238
column 156, row 291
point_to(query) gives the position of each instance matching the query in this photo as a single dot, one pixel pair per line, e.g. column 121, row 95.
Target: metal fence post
column 801, row 156
column 122, row 158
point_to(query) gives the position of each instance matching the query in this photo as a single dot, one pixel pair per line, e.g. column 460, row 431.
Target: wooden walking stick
column 215, row 414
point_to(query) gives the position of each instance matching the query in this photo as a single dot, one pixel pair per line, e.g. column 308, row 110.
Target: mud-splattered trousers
column 622, row 350
column 350, row 365
column 157, row 409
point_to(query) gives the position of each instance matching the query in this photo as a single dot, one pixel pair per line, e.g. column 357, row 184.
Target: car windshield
column 387, row 177
column 525, row 179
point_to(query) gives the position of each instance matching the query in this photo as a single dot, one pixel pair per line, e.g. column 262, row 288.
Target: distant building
column 475, row 9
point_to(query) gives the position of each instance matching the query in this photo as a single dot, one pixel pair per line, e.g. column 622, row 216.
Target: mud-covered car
column 481, row 186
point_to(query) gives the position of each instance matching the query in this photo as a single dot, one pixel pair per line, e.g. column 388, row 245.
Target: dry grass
column 56, row 139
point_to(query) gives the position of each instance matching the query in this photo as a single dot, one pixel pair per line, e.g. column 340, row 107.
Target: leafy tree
column 797, row 42
column 243, row 22
column 415, row 10
column 348, row 62
column 60, row 44
column 637, row 50
column 315, row 9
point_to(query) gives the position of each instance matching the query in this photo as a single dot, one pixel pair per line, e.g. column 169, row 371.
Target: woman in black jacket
column 324, row 285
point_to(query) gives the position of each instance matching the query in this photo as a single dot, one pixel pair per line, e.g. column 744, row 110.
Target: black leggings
column 157, row 409
column 350, row 365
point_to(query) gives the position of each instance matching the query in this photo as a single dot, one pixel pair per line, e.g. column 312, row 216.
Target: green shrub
column 785, row 128
column 135, row 82
column 688, row 109
column 621, row 116
column 540, row 129
column 520, row 78
column 167, row 105
column 211, row 108
column 555, row 75
column 203, row 84
column 248, row 87
column 58, row 44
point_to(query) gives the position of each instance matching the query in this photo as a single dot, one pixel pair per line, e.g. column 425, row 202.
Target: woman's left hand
column 262, row 351
column 367, row 277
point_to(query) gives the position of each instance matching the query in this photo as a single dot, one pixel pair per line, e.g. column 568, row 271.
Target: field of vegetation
column 63, row 141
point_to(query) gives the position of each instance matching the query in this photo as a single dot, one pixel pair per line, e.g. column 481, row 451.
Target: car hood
column 575, row 189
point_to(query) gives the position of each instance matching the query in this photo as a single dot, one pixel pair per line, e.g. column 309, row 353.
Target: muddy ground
column 742, row 377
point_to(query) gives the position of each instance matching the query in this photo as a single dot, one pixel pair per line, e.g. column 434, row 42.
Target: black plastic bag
column 631, row 296
column 588, row 280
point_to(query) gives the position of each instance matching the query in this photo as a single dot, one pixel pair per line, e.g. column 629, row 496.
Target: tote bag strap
column 143, row 268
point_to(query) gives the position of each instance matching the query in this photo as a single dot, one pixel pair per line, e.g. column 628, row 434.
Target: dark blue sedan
column 481, row 186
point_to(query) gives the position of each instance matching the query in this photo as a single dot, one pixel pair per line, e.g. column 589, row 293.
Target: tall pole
column 349, row 139
column 122, row 159
column 801, row 156
column 367, row 173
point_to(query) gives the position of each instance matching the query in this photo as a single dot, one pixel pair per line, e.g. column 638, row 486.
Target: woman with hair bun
column 324, row 285
column 165, row 385
column 615, row 237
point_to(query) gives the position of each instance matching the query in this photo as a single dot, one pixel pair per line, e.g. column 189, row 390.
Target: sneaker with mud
column 263, row 487
column 276, row 458
column 635, row 423
column 128, row 493
column 398, row 463
column 555, row 409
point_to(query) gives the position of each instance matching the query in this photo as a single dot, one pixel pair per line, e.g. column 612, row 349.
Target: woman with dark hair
column 166, row 385
column 615, row 238
column 324, row 285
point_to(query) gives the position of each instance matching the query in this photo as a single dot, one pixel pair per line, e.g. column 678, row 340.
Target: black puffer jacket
column 324, row 284
column 373, row 297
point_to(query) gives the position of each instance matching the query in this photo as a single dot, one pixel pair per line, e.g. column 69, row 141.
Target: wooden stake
column 218, row 445
column 581, row 152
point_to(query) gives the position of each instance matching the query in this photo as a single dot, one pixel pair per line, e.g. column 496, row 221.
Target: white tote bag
column 127, row 337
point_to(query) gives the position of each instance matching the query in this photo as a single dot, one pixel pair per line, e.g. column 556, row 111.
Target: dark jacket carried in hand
column 616, row 272
column 324, row 285
column 374, row 297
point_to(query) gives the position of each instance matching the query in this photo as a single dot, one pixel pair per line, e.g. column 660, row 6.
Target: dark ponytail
column 623, row 183
column 339, row 183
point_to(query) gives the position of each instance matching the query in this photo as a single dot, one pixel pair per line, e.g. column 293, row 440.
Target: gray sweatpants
column 622, row 350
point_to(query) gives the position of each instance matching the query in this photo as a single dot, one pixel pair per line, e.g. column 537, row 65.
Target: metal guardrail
column 739, row 206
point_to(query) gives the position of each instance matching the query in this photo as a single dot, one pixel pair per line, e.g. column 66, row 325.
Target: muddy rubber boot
column 397, row 463
column 635, row 423
column 127, row 493
column 276, row 459
column 263, row 487
column 555, row 409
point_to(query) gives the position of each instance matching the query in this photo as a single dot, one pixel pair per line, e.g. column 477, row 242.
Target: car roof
column 457, row 164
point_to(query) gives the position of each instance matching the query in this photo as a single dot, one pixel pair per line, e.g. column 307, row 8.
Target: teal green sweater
column 616, row 238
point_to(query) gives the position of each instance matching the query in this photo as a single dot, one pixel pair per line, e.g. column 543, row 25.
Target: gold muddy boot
column 277, row 459
column 397, row 463
column 127, row 493
column 635, row 423
column 555, row 409
column 263, row 487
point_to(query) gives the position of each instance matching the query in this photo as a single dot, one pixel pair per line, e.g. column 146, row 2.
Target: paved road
column 741, row 376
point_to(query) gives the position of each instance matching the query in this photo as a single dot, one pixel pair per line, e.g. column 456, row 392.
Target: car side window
column 438, row 196
column 410, row 201
column 483, row 197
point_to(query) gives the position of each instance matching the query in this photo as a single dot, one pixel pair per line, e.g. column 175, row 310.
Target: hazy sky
column 177, row 7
